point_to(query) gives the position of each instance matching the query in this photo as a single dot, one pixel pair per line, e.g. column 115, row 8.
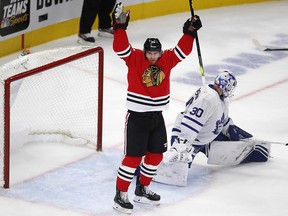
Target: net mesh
column 58, row 104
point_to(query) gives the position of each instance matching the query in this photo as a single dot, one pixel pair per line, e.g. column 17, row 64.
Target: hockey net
column 51, row 95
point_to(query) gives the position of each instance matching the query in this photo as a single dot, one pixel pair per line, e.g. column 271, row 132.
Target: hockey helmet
column 227, row 83
column 152, row 44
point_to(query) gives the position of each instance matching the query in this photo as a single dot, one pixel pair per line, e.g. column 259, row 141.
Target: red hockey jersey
column 149, row 85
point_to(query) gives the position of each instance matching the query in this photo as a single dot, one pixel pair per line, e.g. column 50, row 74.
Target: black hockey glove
column 120, row 18
column 192, row 25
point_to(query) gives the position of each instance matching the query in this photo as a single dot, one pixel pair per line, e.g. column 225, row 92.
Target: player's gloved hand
column 179, row 152
column 192, row 25
column 120, row 18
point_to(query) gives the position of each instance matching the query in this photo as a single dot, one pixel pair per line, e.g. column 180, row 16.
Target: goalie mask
column 227, row 82
column 152, row 44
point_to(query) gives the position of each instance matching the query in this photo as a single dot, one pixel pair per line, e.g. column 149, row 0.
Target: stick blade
column 258, row 45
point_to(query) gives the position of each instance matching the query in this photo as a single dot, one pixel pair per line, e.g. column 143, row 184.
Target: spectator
column 90, row 10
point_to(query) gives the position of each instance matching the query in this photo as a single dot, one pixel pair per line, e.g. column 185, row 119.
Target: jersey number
column 197, row 112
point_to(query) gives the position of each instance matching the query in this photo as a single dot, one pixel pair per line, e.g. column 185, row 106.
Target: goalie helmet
column 152, row 44
column 227, row 83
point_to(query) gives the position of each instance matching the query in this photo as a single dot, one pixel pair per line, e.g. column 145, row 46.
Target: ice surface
column 75, row 180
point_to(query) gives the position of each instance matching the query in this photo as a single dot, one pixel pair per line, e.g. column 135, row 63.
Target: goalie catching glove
column 181, row 151
column 120, row 18
column 192, row 25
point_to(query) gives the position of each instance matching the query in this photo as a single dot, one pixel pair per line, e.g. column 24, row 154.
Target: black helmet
column 152, row 44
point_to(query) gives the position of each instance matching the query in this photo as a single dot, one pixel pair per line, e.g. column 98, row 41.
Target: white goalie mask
column 227, row 82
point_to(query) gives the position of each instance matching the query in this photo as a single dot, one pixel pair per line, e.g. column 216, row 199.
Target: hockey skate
column 86, row 39
column 108, row 32
column 144, row 195
column 121, row 202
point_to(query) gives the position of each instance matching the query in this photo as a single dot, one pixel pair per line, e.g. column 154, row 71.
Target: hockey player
column 148, row 95
column 205, row 126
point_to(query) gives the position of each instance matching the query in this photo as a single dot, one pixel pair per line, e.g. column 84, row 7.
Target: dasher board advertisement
column 20, row 16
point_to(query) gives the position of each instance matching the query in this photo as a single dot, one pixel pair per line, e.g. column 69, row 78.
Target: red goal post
column 55, row 93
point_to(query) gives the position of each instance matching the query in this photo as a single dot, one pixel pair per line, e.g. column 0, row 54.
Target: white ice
column 71, row 180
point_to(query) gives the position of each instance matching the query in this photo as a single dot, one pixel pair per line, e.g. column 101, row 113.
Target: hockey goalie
column 206, row 127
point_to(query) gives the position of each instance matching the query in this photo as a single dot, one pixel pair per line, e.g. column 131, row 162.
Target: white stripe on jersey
column 141, row 103
column 124, row 53
column 179, row 53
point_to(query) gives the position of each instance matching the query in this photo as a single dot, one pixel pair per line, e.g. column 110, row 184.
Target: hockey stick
column 263, row 48
column 278, row 143
column 199, row 52
column 265, row 141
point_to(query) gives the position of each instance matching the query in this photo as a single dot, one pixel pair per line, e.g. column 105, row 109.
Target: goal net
column 51, row 95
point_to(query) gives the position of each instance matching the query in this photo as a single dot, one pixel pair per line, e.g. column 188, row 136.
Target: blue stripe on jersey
column 176, row 130
column 193, row 120
column 188, row 126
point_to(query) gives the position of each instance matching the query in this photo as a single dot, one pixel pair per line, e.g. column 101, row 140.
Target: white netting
column 58, row 104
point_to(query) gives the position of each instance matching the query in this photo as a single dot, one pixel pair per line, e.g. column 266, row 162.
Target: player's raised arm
column 120, row 22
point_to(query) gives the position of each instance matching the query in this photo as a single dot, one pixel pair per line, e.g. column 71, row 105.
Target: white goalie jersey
column 204, row 117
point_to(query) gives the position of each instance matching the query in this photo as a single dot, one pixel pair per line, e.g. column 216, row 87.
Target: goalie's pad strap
column 260, row 154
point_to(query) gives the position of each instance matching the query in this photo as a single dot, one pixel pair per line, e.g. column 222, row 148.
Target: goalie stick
column 273, row 142
column 263, row 48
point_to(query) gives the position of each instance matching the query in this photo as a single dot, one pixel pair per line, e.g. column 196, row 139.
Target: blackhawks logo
column 153, row 76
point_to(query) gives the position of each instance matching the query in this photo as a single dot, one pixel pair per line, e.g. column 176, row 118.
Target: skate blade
column 117, row 207
column 144, row 200
column 105, row 34
column 85, row 43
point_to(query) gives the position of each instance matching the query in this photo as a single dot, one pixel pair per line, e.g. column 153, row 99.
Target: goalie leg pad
column 172, row 174
column 236, row 152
